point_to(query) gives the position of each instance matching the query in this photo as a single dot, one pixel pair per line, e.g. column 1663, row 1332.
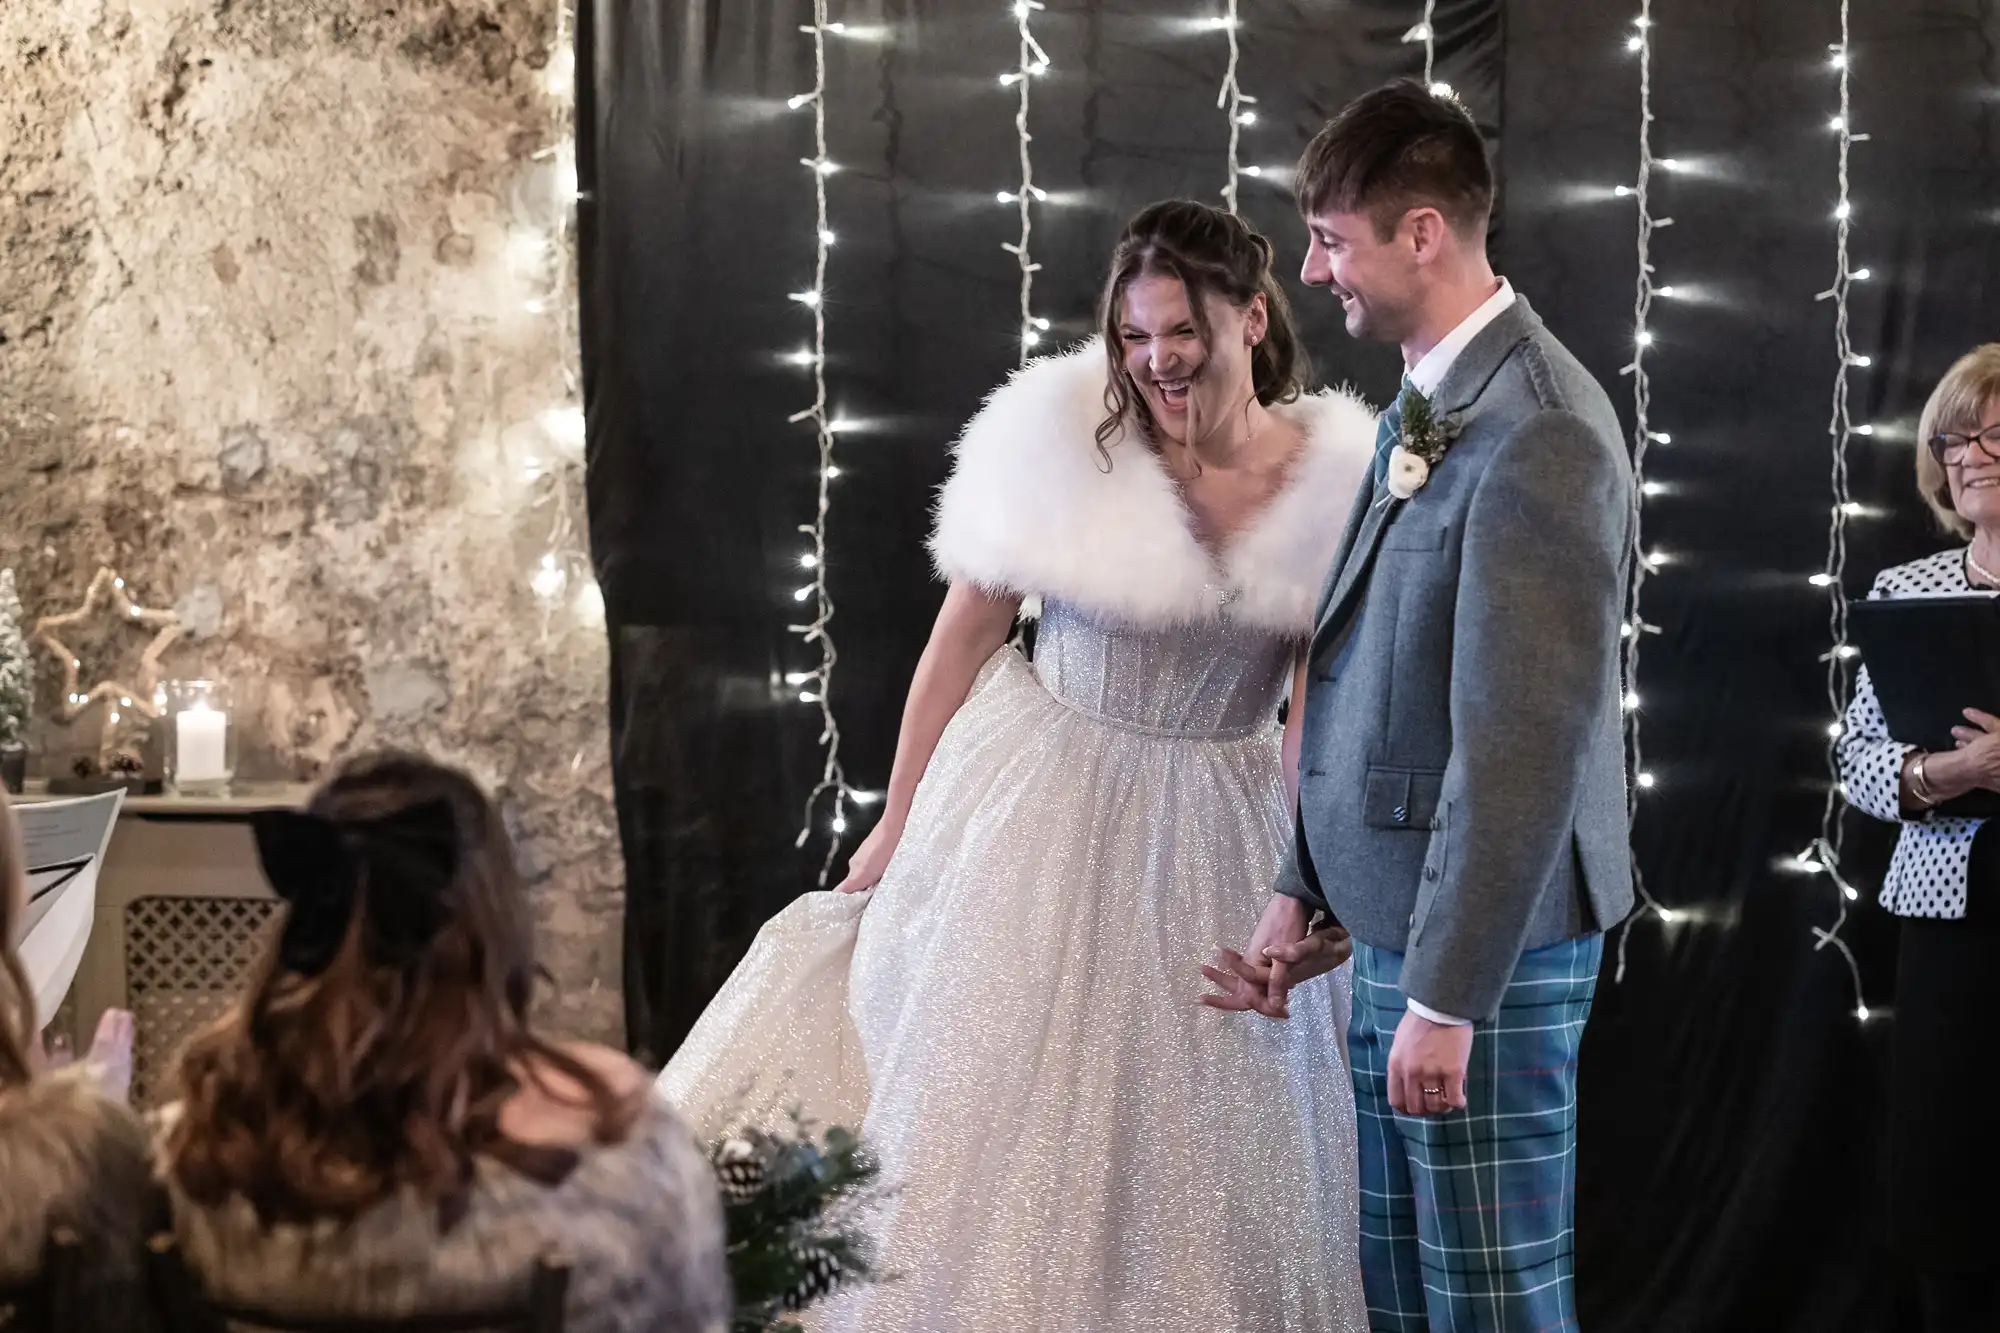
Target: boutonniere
column 1426, row 436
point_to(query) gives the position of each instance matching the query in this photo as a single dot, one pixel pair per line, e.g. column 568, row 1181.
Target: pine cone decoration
column 793, row 1238
column 740, row 1174
column 820, row 1278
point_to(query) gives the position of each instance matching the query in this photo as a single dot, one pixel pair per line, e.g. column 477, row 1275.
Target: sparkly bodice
column 1214, row 679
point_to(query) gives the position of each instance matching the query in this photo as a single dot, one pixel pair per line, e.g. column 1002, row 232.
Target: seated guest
column 72, row 1157
column 378, row 1129
column 1945, row 883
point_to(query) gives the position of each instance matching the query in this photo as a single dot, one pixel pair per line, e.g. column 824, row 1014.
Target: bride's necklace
column 1986, row 576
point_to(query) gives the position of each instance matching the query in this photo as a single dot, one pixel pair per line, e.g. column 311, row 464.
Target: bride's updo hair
column 1211, row 252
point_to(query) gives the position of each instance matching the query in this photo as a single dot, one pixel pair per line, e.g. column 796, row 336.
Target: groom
column 1462, row 798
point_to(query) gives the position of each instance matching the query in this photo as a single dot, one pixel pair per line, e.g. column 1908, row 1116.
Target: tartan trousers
column 1468, row 1220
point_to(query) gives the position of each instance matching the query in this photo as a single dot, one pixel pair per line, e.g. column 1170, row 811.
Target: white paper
column 65, row 843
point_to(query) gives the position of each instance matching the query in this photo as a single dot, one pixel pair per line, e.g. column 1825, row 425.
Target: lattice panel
column 186, row 960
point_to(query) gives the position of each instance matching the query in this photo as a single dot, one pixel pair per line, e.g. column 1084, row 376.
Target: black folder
column 1931, row 658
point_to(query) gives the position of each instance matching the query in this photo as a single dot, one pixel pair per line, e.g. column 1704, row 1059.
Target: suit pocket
column 1418, row 536
column 1436, row 861
column 1401, row 798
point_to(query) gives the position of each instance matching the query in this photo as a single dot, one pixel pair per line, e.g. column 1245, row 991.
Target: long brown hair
column 1210, row 252
column 321, row 1095
column 17, row 993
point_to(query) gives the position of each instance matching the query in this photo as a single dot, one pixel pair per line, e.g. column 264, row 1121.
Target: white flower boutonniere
column 1425, row 439
column 1407, row 473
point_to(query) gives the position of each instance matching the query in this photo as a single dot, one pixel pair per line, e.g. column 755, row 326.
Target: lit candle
column 199, row 756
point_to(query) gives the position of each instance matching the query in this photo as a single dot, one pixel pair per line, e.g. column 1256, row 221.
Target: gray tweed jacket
column 1462, row 791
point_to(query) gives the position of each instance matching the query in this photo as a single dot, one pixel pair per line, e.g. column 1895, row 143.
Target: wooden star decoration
column 107, row 589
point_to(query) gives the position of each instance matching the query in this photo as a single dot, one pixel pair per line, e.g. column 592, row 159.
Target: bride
column 1073, row 1141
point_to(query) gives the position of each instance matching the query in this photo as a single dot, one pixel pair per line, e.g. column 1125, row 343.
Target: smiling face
column 1975, row 479
column 1378, row 282
column 1189, row 382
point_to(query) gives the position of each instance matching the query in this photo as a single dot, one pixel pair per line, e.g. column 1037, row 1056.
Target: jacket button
column 1431, row 873
column 1401, row 814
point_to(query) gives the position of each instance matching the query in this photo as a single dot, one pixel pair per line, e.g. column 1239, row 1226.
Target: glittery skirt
column 1072, row 1142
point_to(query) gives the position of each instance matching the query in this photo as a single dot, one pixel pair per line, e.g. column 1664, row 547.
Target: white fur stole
column 1030, row 509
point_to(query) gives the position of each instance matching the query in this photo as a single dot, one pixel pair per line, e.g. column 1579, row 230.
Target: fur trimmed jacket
column 1032, row 509
column 71, row 1157
column 639, row 1222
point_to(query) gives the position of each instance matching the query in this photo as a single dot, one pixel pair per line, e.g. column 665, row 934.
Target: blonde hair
column 17, row 995
column 1957, row 406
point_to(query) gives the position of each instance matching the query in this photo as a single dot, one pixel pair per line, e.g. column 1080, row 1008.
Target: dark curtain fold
column 1732, row 1172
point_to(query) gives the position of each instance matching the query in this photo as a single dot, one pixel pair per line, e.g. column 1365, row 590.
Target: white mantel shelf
column 243, row 798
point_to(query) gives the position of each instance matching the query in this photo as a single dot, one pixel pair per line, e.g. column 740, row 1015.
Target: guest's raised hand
column 110, row 1058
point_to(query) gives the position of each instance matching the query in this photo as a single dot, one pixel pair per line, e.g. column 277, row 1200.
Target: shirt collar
column 1429, row 372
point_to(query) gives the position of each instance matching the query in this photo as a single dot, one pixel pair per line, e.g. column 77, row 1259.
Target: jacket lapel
column 1463, row 384
column 1360, row 558
column 1357, row 515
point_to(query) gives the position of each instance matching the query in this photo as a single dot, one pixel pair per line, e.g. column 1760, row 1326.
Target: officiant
column 1944, row 882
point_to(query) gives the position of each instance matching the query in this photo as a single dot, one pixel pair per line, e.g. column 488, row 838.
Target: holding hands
column 1427, row 1063
column 1282, row 953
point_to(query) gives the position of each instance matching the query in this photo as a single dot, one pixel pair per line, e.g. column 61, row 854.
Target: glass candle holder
column 201, row 736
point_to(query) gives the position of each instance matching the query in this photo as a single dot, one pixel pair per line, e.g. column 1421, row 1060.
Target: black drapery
column 1732, row 1175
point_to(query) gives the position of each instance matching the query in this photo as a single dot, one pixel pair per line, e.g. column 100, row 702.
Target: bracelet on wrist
column 1920, row 786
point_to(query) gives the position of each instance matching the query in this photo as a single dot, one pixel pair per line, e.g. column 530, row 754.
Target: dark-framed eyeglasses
column 1949, row 448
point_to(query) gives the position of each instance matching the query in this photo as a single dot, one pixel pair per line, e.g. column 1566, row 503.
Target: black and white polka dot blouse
column 1927, row 874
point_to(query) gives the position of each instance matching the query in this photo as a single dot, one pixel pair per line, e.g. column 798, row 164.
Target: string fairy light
column 816, row 685
column 1033, row 62
column 557, row 480
column 1425, row 31
column 1823, row 856
column 108, row 594
column 1644, row 562
column 1235, row 103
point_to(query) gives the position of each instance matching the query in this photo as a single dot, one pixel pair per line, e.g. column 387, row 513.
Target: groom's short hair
column 1397, row 148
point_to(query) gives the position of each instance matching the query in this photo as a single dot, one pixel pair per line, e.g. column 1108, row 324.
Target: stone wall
column 270, row 346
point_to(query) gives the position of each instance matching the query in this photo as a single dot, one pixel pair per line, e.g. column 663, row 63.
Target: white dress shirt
column 1426, row 375
column 1429, row 372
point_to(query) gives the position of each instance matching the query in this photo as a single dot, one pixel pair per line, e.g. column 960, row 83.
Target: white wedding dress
column 1074, row 1144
